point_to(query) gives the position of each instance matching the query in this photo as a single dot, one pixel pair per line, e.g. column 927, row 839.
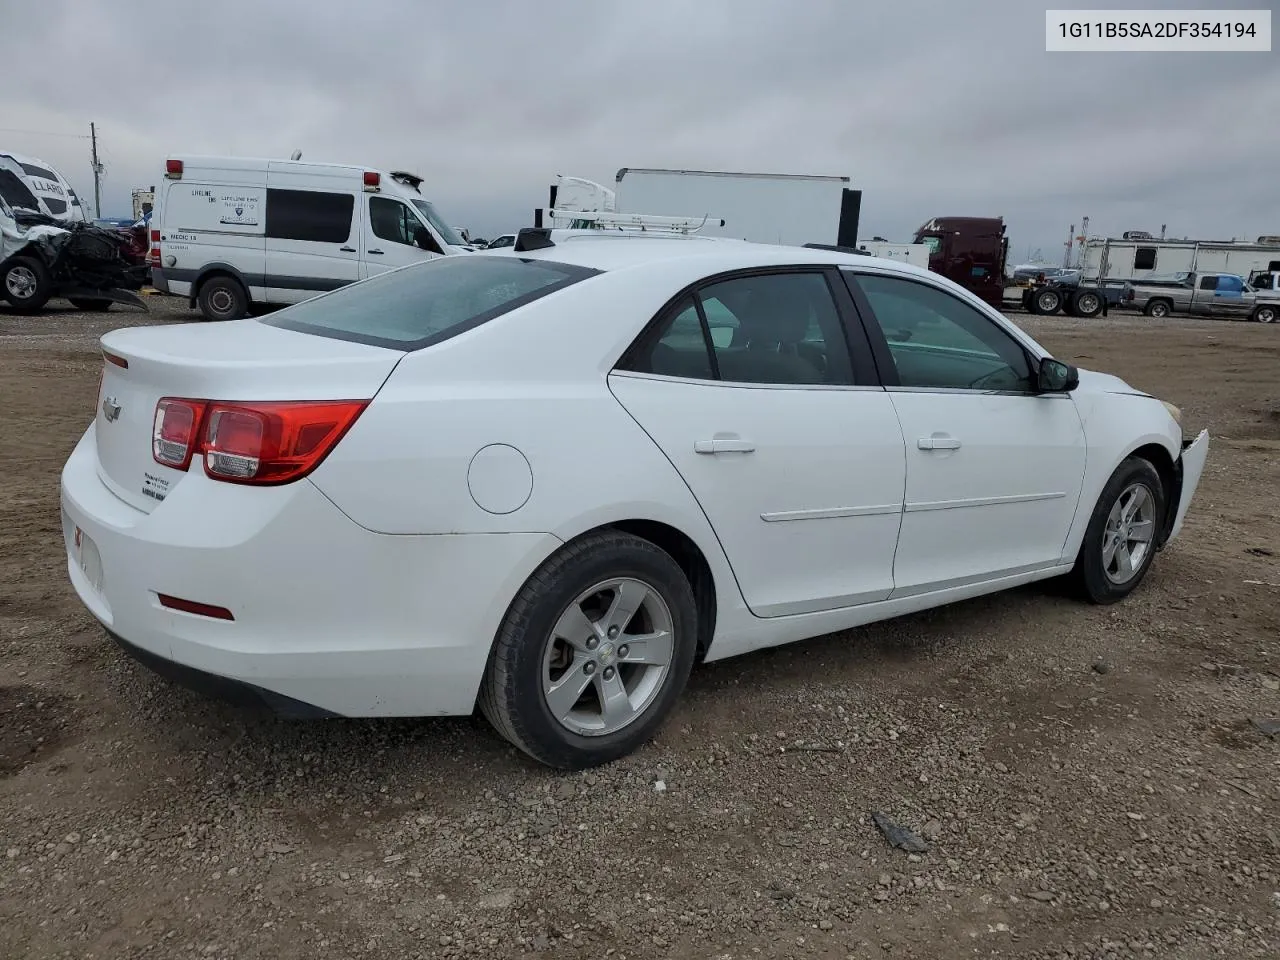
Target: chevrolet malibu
column 546, row 481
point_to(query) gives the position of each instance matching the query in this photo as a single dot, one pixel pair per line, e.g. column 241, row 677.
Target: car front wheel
column 1120, row 542
column 593, row 652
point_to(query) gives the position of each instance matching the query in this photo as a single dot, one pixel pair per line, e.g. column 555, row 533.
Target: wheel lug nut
column 608, row 673
column 613, row 632
column 623, row 651
column 589, row 667
column 592, row 643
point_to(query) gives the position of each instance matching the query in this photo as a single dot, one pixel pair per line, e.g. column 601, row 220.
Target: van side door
column 312, row 240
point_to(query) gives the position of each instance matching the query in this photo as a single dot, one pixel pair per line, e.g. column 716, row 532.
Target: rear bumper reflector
column 193, row 606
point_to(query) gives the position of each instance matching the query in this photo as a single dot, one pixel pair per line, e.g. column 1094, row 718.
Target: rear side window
column 309, row 215
column 426, row 303
column 1144, row 258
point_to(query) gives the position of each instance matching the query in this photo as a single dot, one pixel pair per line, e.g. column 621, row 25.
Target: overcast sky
column 931, row 108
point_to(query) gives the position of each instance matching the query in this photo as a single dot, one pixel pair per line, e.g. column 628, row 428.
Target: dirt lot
column 1089, row 776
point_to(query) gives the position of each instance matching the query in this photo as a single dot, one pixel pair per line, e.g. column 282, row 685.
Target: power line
column 43, row 133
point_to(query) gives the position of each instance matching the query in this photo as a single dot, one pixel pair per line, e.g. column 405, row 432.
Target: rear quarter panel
column 534, row 380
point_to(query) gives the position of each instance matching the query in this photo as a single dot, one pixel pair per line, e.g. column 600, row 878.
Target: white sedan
column 546, row 481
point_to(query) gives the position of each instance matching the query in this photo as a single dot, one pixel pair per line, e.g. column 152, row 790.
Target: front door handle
column 938, row 443
column 347, row 249
column 375, row 251
column 724, row 445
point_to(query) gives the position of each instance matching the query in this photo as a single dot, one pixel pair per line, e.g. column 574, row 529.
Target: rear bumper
column 329, row 618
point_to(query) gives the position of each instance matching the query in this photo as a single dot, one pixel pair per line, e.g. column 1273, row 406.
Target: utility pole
column 97, row 172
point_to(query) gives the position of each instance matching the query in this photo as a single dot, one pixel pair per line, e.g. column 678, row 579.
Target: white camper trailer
column 32, row 184
column 1143, row 259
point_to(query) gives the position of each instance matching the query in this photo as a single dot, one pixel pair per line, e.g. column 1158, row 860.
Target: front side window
column 423, row 304
column 1230, row 284
column 776, row 328
column 1209, row 283
column 937, row 341
column 392, row 220
column 309, row 215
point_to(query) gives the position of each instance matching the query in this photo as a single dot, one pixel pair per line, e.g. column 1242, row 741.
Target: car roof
column 606, row 251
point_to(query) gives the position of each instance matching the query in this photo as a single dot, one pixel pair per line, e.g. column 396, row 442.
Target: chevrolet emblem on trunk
column 111, row 409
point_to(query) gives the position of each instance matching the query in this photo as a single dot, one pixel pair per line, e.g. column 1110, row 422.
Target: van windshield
column 425, row 303
column 447, row 232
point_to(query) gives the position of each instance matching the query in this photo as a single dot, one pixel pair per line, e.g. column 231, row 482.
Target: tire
column 516, row 695
column 1086, row 303
column 1265, row 314
column 1048, row 302
column 1093, row 571
column 25, row 283
column 223, row 298
column 100, row 306
column 1158, row 309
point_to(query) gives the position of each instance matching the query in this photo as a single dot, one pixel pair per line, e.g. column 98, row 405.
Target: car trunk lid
column 239, row 361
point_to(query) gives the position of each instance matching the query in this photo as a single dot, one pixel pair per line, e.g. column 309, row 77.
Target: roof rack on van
column 838, row 249
column 408, row 179
column 640, row 222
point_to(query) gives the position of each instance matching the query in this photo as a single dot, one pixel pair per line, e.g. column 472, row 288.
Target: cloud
column 930, row 108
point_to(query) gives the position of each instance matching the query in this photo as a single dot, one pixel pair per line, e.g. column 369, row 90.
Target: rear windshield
column 423, row 304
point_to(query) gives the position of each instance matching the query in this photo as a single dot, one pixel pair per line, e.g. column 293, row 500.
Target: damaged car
column 41, row 257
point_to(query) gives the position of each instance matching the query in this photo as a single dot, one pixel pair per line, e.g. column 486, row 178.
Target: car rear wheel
column 223, row 298
column 593, row 652
column 1157, row 309
column 1123, row 532
column 25, row 283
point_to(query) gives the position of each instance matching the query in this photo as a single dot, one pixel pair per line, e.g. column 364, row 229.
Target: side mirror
column 422, row 237
column 1056, row 376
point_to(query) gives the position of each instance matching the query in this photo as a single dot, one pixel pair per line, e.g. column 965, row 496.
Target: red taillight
column 154, row 256
column 175, row 431
column 155, row 236
column 194, row 606
column 371, row 179
column 173, row 169
column 263, row 443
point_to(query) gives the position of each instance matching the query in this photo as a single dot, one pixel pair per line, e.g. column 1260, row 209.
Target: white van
column 30, row 183
column 231, row 231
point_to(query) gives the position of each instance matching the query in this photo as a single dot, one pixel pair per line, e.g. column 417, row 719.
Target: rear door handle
column 938, row 443
column 348, row 249
column 724, row 445
column 375, row 251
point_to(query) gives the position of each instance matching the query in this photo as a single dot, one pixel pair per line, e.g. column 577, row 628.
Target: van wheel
column 223, row 298
column 593, row 652
column 26, row 284
column 99, row 306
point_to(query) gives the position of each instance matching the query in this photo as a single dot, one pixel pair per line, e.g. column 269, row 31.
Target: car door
column 1230, row 299
column 1204, row 300
column 389, row 231
column 310, row 243
column 994, row 468
column 782, row 433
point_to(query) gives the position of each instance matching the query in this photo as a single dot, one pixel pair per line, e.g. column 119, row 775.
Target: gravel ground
column 1088, row 779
